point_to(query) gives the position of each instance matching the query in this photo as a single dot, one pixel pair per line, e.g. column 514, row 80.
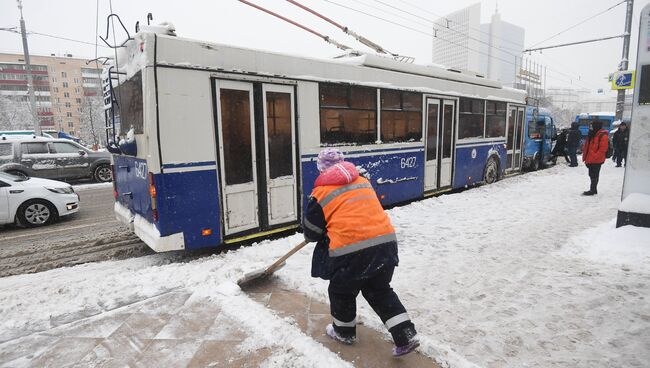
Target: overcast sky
column 231, row 22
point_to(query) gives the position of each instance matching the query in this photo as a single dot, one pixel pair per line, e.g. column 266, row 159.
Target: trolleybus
column 217, row 144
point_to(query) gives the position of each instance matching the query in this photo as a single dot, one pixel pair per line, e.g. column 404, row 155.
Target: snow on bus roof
column 354, row 58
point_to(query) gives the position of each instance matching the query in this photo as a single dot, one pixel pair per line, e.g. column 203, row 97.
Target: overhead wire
column 580, row 23
column 452, row 21
column 393, row 14
column 53, row 36
column 517, row 55
column 570, row 80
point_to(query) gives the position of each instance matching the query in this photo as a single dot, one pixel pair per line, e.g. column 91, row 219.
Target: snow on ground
column 82, row 187
column 522, row 273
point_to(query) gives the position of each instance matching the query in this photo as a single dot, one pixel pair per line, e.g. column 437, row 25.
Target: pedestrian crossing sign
column 623, row 80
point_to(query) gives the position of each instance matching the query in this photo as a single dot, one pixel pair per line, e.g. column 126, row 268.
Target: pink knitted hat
column 328, row 158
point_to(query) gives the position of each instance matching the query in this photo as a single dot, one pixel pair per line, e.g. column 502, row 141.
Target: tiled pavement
column 175, row 330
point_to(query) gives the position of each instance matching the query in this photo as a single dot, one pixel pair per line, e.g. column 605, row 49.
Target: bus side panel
column 132, row 185
column 188, row 202
column 471, row 160
column 396, row 177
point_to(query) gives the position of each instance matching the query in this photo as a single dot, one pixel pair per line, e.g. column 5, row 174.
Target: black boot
column 592, row 188
column 594, row 185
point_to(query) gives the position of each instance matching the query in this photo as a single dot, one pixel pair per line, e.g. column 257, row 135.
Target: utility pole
column 620, row 101
column 30, row 79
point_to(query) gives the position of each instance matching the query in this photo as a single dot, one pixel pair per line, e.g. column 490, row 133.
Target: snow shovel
column 263, row 273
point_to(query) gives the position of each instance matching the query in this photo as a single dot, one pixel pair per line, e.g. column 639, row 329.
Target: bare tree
column 91, row 121
column 15, row 114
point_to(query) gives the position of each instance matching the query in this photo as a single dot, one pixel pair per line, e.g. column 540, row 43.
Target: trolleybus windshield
column 129, row 99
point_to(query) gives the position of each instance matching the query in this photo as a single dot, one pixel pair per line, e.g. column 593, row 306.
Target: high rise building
column 502, row 45
column 492, row 50
column 456, row 42
column 63, row 86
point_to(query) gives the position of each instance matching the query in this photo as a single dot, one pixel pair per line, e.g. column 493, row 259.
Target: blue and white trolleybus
column 217, row 143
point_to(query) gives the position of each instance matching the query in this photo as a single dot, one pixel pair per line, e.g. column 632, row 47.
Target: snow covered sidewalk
column 526, row 272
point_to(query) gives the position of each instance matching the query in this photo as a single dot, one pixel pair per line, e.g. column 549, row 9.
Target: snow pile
column 636, row 203
column 627, row 245
column 83, row 187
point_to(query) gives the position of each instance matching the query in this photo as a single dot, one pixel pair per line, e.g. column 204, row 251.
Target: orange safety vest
column 354, row 216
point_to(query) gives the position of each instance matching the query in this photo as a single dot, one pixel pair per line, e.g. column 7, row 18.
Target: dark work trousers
column 594, row 174
column 381, row 297
column 621, row 155
column 572, row 156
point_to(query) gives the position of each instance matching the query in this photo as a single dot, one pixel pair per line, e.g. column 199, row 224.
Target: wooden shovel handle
column 280, row 261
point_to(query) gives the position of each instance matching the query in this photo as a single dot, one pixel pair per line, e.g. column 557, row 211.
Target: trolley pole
column 620, row 101
column 30, row 79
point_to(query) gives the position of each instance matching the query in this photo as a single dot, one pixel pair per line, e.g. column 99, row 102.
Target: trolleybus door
column 431, row 152
column 446, row 134
column 441, row 115
column 280, row 143
column 238, row 167
column 515, row 138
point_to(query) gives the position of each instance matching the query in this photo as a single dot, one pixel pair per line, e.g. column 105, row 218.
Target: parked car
column 33, row 201
column 53, row 158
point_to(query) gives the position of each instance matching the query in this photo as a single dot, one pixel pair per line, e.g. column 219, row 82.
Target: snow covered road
column 497, row 276
column 92, row 234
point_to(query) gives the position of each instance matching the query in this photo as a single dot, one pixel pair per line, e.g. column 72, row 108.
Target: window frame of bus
column 536, row 124
column 135, row 101
column 495, row 114
column 462, row 114
column 347, row 103
column 398, row 108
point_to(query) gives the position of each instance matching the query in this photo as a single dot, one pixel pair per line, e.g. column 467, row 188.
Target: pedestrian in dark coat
column 594, row 154
column 356, row 251
column 560, row 145
column 620, row 140
column 572, row 143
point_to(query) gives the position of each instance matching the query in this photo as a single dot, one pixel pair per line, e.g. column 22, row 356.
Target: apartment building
column 62, row 85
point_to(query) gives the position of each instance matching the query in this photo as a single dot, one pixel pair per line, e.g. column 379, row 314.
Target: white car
column 34, row 202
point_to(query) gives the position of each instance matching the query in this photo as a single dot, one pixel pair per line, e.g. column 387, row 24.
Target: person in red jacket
column 593, row 154
column 356, row 251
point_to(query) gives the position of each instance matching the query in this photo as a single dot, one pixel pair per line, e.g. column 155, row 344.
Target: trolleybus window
column 236, row 130
column 471, row 119
column 432, row 131
column 511, row 129
column 129, row 98
column 448, row 118
column 347, row 114
column 278, row 120
column 496, row 119
column 401, row 116
column 520, row 118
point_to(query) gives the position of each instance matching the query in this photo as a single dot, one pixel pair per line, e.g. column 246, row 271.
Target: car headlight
column 64, row 190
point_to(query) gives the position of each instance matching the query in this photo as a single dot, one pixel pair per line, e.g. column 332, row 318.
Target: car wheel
column 17, row 173
column 491, row 173
column 36, row 212
column 103, row 174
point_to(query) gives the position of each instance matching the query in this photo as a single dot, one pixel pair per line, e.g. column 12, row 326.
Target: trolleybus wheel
column 491, row 173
